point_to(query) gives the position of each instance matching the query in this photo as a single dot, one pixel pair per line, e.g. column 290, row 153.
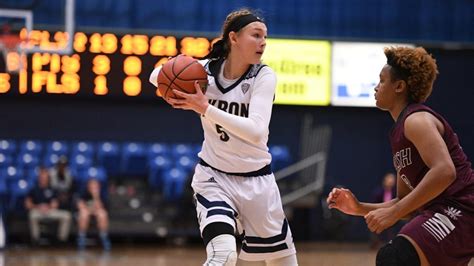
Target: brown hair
column 416, row 67
column 221, row 48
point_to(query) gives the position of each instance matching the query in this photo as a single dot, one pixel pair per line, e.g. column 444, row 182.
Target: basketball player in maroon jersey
column 435, row 181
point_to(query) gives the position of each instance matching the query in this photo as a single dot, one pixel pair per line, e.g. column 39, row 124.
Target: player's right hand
column 343, row 200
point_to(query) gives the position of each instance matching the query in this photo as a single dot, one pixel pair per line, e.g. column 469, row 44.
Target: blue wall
column 413, row 20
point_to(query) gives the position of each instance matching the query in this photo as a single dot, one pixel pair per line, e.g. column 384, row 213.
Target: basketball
column 180, row 73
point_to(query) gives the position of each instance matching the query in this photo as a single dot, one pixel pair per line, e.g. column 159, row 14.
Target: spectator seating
column 158, row 165
column 108, row 156
column 173, row 183
column 134, row 159
column 163, row 163
column 57, row 147
column 31, row 146
column 5, row 160
column 27, row 161
column 7, row 146
column 82, row 147
column 281, row 156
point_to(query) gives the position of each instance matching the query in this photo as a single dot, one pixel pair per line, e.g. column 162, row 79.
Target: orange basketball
column 180, row 73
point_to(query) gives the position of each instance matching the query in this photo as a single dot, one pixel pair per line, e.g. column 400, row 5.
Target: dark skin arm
column 425, row 132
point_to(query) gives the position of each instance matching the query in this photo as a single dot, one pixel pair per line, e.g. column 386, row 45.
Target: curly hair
column 416, row 67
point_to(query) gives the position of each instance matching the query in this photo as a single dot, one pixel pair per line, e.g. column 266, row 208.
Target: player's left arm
column 425, row 132
column 254, row 127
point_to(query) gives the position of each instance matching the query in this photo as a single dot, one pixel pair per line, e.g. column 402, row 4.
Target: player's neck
column 234, row 68
column 397, row 109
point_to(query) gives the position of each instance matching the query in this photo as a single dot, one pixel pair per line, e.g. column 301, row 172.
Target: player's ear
column 401, row 86
column 232, row 37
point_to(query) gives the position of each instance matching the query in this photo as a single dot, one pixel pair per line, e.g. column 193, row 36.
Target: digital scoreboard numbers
column 102, row 64
column 117, row 66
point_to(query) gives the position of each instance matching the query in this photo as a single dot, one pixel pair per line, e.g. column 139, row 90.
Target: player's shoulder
column 260, row 70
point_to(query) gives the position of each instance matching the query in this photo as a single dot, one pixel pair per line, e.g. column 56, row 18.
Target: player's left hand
column 197, row 102
column 380, row 219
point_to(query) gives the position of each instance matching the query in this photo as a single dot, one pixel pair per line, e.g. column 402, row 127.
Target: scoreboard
column 102, row 65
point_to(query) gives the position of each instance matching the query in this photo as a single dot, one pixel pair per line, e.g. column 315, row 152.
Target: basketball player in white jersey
column 235, row 189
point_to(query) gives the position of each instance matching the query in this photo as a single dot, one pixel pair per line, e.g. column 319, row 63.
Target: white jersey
column 236, row 122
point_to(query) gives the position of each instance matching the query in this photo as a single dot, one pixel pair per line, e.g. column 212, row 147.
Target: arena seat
column 158, row 149
column 281, row 156
column 5, row 160
column 27, row 160
column 11, row 174
column 7, row 146
column 57, row 147
column 181, row 149
column 31, row 146
column 157, row 166
column 82, row 147
column 19, row 188
column 186, row 162
column 108, row 156
column 134, row 159
column 174, row 180
column 80, row 162
column 93, row 172
column 50, row 159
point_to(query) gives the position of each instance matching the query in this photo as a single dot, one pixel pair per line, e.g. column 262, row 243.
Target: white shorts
column 251, row 205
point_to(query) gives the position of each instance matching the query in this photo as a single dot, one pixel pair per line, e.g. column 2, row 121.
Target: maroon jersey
column 412, row 169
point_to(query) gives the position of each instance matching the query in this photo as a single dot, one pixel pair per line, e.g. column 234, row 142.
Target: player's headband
column 219, row 48
column 240, row 22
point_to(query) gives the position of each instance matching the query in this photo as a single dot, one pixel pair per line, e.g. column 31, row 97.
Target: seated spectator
column 61, row 181
column 91, row 203
column 42, row 204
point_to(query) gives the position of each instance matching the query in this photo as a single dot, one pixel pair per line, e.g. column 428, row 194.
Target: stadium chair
column 50, row 159
column 181, row 149
column 27, row 161
column 11, row 174
column 82, row 147
column 186, row 162
column 5, row 160
column 157, row 166
column 158, row 149
column 173, row 183
column 108, row 156
column 3, row 187
column 7, row 146
column 32, row 175
column 18, row 191
column 281, row 156
column 80, row 162
column 92, row 172
column 57, row 147
column 31, row 146
column 134, row 159
column 13, row 177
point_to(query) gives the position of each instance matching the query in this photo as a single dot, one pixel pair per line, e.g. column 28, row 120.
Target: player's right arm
column 345, row 201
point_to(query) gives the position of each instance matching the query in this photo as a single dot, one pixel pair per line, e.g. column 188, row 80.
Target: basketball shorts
column 444, row 233
column 251, row 205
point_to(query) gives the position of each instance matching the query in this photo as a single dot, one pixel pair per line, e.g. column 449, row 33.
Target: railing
column 319, row 159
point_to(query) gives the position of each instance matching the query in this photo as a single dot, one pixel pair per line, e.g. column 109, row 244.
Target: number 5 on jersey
column 223, row 135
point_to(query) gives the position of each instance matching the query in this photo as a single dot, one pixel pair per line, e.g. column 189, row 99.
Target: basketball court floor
column 323, row 254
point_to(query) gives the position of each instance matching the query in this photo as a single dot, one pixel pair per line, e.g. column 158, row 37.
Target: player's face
column 251, row 42
column 385, row 90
